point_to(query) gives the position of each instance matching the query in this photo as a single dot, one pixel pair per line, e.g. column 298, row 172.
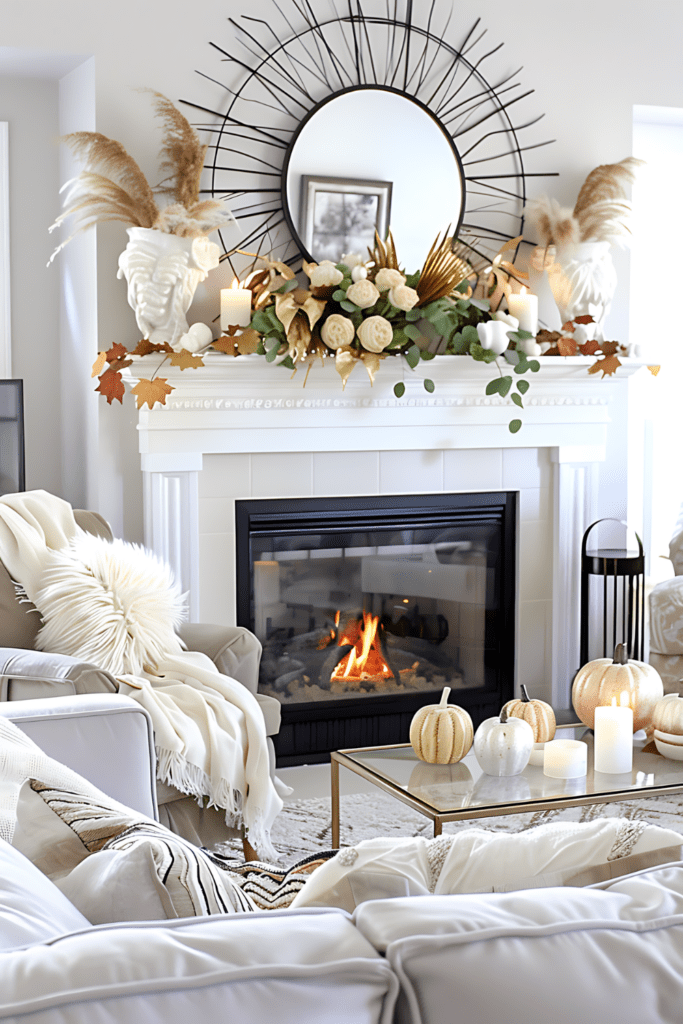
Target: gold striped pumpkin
column 537, row 713
column 441, row 733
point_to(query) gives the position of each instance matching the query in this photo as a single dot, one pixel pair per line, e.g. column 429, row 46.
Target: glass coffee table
column 454, row 792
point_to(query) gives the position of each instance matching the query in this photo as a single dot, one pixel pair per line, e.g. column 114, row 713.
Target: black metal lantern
column 612, row 599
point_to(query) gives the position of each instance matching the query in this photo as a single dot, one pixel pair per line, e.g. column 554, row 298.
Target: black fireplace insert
column 368, row 606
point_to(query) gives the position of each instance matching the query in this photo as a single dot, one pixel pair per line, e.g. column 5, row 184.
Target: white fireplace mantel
column 244, row 405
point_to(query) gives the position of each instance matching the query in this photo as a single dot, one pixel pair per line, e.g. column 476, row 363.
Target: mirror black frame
column 289, row 71
column 294, row 231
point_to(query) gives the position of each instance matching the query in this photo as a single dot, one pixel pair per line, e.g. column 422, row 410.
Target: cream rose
column 403, row 297
column 363, row 293
column 351, row 259
column 375, row 334
column 386, row 279
column 324, row 275
column 337, row 331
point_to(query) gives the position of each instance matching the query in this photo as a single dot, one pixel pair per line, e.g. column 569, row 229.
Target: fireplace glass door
column 359, row 599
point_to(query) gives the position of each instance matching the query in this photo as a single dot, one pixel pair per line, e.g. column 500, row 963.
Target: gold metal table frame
column 652, row 775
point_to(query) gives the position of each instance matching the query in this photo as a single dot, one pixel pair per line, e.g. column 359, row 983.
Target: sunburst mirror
column 341, row 124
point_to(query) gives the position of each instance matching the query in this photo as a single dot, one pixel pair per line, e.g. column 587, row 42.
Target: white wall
column 588, row 63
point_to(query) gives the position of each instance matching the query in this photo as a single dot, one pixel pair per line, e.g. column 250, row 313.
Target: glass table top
column 454, row 787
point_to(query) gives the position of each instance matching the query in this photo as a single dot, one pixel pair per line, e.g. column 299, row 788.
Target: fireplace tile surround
column 243, row 430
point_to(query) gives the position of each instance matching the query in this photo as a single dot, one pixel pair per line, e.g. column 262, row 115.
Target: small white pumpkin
column 537, row 713
column 503, row 745
column 668, row 714
column 441, row 733
column 597, row 682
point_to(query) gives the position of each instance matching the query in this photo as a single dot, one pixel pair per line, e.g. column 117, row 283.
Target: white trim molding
column 5, row 305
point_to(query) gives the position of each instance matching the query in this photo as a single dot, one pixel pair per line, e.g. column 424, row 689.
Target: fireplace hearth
column 367, row 607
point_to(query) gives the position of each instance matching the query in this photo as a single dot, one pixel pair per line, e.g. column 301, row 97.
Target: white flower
column 403, row 297
column 530, row 347
column 337, row 331
column 351, row 259
column 507, row 318
column 375, row 334
column 386, row 279
column 363, row 293
column 359, row 272
column 197, row 337
column 493, row 335
column 324, row 275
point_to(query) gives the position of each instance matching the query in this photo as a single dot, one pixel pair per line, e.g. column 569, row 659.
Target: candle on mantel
column 235, row 306
column 613, row 744
column 565, row 759
column 524, row 307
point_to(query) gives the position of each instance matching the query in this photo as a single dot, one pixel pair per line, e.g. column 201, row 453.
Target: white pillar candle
column 235, row 307
column 565, row 759
column 525, row 308
column 613, row 744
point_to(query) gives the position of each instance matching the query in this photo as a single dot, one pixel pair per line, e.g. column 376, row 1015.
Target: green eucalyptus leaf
column 457, row 345
column 463, row 286
column 399, row 389
column 511, row 356
column 482, row 304
column 346, row 271
column 493, row 386
column 482, row 355
column 413, row 314
column 517, row 399
column 534, row 365
column 426, row 354
column 463, row 305
column 287, row 363
column 412, row 355
column 470, row 334
column 429, row 385
column 261, row 322
column 271, row 353
column 260, row 348
column 339, row 295
column 505, row 385
column 514, row 426
column 350, row 307
column 523, row 386
column 412, row 332
column 290, row 285
column 412, row 279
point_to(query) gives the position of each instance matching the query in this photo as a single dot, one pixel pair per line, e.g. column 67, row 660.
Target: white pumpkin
column 441, row 733
column 668, row 714
column 503, row 745
column 597, row 682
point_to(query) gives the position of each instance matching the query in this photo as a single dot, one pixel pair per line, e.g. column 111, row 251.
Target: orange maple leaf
column 609, row 347
column 120, row 364
column 148, row 392
column 117, row 351
column 185, row 360
column 585, row 319
column 145, row 346
column 227, row 345
column 608, row 365
column 98, row 365
column 567, row 347
column 569, row 326
column 589, row 348
column 111, row 386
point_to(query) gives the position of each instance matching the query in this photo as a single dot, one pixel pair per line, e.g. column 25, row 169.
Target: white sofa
column 608, row 953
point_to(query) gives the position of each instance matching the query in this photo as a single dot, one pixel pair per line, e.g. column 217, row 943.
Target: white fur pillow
column 111, row 603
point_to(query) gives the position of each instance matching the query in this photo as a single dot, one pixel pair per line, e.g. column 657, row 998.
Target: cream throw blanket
column 209, row 730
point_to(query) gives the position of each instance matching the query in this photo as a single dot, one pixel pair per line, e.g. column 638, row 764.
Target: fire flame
column 365, row 660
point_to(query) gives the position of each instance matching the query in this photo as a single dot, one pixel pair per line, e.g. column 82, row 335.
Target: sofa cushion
column 118, row 885
column 31, row 908
column 561, row 955
column 194, row 885
column 478, row 860
column 273, row 966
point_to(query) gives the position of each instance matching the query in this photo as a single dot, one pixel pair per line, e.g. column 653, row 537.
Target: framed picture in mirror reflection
column 340, row 215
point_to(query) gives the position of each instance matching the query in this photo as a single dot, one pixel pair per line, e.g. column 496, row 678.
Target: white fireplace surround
column 240, row 428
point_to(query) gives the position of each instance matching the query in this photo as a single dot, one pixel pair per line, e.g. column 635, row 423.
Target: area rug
column 304, row 826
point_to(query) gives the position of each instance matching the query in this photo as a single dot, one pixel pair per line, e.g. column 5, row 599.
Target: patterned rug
column 303, row 827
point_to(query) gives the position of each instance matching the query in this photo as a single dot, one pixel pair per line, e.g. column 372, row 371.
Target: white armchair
column 666, row 619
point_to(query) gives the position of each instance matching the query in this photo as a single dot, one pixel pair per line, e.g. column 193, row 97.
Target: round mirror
column 371, row 158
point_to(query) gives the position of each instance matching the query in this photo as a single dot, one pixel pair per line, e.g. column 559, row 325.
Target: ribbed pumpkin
column 599, row 681
column 441, row 733
column 537, row 713
column 668, row 714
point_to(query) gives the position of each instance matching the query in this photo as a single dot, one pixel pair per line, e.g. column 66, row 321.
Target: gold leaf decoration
column 148, row 392
column 384, row 253
column 345, row 360
column 654, row 370
column 442, row 272
column 98, row 365
column 227, row 345
column 608, row 365
column 186, row 360
column 370, row 361
column 145, row 347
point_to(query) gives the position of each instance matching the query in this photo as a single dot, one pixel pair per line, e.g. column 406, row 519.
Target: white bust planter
column 163, row 271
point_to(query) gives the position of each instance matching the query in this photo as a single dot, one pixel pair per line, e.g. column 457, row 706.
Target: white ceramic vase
column 163, row 271
column 590, row 272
